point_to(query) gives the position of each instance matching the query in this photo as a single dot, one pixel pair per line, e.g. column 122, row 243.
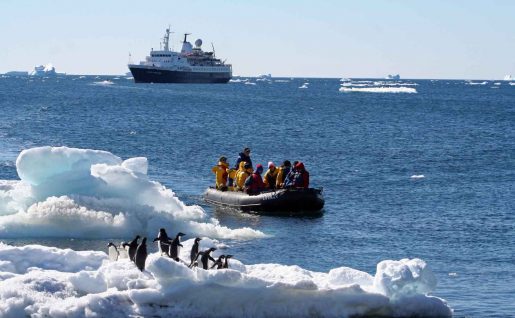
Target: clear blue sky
column 417, row 39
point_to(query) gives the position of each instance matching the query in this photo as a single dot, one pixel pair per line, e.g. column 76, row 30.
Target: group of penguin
column 137, row 252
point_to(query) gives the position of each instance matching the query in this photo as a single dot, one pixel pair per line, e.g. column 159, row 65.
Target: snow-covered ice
column 43, row 281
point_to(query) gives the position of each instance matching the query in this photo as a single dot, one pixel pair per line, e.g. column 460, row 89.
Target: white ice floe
column 417, row 176
column 103, row 83
column 305, row 85
column 238, row 80
column 383, row 89
column 512, row 84
column 250, row 83
column 476, row 83
column 42, row 281
column 83, row 193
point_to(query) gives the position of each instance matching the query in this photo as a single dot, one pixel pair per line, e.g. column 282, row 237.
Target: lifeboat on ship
column 280, row 201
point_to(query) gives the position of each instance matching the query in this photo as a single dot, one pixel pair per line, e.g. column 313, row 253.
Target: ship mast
column 166, row 39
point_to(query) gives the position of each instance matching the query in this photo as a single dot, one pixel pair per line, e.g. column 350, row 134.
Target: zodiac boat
column 281, row 201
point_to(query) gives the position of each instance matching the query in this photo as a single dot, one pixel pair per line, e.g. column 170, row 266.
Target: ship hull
column 152, row 75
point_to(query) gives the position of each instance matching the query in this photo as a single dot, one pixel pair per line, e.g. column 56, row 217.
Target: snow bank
column 82, row 193
column 40, row 281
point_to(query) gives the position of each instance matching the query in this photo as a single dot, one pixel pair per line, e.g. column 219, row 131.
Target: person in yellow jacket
column 220, row 171
column 284, row 169
column 244, row 171
column 270, row 177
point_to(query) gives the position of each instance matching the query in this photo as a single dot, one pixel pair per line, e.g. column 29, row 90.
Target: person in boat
column 254, row 183
column 270, row 177
column 231, row 176
column 220, row 171
column 243, row 156
column 284, row 170
column 244, row 172
column 300, row 177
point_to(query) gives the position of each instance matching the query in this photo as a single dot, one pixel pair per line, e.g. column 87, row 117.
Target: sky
column 458, row 39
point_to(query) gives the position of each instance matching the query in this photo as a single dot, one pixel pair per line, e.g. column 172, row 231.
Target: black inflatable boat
column 282, row 201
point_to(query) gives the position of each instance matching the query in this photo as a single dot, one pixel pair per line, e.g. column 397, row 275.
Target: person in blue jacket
column 243, row 156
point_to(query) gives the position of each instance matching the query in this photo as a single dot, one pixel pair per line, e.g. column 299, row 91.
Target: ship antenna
column 166, row 39
column 214, row 53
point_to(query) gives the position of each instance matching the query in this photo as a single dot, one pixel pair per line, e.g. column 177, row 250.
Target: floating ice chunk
column 250, row 83
column 38, row 165
column 68, row 192
column 476, row 83
column 396, row 279
column 103, row 83
column 417, row 176
column 378, row 90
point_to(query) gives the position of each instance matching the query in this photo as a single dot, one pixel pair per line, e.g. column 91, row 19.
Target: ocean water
column 410, row 169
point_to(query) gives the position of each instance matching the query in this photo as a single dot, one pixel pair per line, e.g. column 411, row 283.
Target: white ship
column 190, row 65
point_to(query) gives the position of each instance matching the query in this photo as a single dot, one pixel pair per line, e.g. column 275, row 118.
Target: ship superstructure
column 190, row 65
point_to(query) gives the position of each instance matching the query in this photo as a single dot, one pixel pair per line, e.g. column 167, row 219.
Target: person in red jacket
column 254, row 183
column 301, row 176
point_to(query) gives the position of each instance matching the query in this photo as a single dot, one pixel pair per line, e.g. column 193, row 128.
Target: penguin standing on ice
column 164, row 241
column 112, row 252
column 194, row 250
column 122, row 250
column 133, row 245
column 219, row 263
column 206, row 256
column 175, row 247
column 141, row 255
column 226, row 263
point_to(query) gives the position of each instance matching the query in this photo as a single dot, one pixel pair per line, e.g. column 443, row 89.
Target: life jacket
column 281, row 176
column 270, row 178
column 220, row 172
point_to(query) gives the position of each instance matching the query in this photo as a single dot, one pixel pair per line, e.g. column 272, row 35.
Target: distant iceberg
column 43, row 70
column 264, row 78
column 17, row 73
column 393, row 77
column 509, row 78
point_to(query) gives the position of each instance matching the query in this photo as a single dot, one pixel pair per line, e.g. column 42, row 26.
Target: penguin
column 133, row 245
column 113, row 252
column 164, row 241
column 219, row 263
column 174, row 247
column 194, row 250
column 206, row 257
column 226, row 263
column 141, row 254
column 122, row 250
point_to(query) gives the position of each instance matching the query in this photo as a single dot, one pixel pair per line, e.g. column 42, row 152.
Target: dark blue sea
column 425, row 175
